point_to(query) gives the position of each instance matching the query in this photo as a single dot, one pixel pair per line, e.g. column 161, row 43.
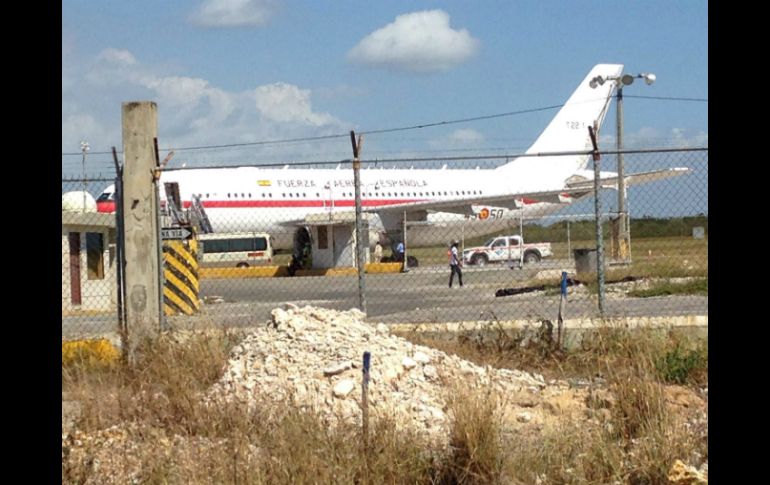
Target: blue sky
column 238, row 71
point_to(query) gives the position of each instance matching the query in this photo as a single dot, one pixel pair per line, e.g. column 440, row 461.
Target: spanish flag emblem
column 263, row 183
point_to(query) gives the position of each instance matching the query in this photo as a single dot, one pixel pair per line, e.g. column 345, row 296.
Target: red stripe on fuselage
column 237, row 204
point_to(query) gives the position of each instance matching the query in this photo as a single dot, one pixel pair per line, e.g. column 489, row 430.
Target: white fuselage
column 275, row 201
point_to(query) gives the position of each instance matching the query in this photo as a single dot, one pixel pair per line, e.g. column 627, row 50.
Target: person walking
column 377, row 252
column 455, row 264
column 400, row 252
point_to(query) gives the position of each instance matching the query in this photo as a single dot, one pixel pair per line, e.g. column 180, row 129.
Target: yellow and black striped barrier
column 180, row 293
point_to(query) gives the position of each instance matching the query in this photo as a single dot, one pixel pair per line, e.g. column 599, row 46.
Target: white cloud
column 419, row 42
column 191, row 111
column 234, row 13
column 648, row 137
column 463, row 138
column 177, row 91
column 286, row 103
column 117, row 56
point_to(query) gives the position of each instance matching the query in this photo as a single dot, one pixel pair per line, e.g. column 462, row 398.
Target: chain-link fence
column 289, row 236
column 89, row 265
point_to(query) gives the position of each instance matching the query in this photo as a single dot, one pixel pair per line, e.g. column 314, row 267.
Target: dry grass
column 148, row 424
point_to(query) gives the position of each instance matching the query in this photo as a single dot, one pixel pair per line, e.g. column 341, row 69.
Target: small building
column 334, row 239
column 88, row 280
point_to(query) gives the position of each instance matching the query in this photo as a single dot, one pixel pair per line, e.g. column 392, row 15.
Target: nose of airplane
column 107, row 206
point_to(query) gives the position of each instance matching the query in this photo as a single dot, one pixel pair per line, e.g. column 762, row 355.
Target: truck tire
column 479, row 260
column 242, row 265
column 531, row 257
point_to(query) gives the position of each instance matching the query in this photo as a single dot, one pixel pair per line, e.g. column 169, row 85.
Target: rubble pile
column 312, row 358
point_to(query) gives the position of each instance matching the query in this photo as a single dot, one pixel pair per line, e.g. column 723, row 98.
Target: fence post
column 597, row 215
column 120, row 249
column 360, row 255
column 141, row 232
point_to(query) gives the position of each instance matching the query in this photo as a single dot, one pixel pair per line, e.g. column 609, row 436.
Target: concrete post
column 140, row 206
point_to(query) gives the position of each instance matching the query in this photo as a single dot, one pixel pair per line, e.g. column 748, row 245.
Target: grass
column 149, row 423
column 696, row 287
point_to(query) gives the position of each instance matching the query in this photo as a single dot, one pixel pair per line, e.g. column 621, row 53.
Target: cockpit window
column 105, row 196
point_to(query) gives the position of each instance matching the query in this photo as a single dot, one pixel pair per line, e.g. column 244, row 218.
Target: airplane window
column 207, row 196
column 228, row 194
column 243, row 195
column 290, row 194
column 432, row 193
column 304, row 194
column 249, row 195
column 283, row 195
column 463, row 192
column 317, row 194
column 271, row 194
column 263, row 194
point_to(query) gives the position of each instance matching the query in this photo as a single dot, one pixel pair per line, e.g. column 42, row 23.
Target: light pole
column 622, row 249
column 84, row 148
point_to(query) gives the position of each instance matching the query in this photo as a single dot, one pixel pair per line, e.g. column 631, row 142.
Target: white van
column 239, row 250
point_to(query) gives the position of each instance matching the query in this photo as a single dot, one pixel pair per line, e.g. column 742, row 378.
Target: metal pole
column 599, row 240
column 521, row 239
column 597, row 215
column 562, row 307
column 161, row 260
column 119, row 256
column 360, row 256
column 405, row 265
column 84, row 148
column 569, row 247
column 622, row 236
column 365, row 398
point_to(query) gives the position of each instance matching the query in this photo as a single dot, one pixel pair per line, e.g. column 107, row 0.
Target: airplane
column 436, row 203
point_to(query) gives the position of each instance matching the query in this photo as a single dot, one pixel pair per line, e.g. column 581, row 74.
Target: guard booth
column 333, row 239
column 88, row 261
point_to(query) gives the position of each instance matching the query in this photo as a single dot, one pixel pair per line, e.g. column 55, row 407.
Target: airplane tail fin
column 568, row 131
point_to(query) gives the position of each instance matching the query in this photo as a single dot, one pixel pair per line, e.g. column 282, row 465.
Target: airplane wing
column 585, row 179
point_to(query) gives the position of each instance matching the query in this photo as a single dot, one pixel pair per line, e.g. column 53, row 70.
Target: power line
column 346, row 135
column 388, row 130
column 666, row 98
column 464, row 120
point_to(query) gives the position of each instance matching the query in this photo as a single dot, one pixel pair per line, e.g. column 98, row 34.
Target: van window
column 234, row 245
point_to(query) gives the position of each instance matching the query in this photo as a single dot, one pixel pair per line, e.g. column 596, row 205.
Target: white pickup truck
column 506, row 248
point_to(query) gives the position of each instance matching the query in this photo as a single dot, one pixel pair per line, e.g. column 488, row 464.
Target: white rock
column 343, row 388
column 421, row 357
column 524, row 417
column 430, row 372
column 383, row 329
column 408, row 363
column 338, row 368
column 390, row 374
